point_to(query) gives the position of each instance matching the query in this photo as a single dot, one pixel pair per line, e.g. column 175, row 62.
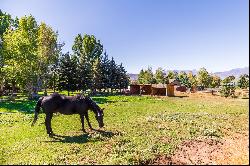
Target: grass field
column 137, row 130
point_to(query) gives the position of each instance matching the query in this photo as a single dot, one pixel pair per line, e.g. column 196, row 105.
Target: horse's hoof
column 51, row 135
column 84, row 131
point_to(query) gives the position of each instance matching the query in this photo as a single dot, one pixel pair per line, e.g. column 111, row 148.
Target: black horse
column 67, row 105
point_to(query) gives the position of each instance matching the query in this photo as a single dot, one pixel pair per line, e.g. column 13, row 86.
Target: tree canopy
column 31, row 58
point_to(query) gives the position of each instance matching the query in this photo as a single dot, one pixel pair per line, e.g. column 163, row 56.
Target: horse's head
column 99, row 117
column 97, row 110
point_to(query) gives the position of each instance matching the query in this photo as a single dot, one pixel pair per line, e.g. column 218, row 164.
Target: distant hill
column 235, row 72
column 133, row 76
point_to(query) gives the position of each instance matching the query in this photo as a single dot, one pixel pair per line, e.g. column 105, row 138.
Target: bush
column 227, row 90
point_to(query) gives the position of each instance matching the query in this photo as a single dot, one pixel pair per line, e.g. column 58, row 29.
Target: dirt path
column 230, row 150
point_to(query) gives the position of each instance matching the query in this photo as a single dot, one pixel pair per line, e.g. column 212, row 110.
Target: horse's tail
column 37, row 109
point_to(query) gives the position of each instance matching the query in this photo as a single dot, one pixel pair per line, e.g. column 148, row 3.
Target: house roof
column 174, row 82
column 158, row 85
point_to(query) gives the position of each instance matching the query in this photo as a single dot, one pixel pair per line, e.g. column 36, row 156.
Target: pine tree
column 67, row 73
column 159, row 76
column 149, row 76
column 146, row 77
column 141, row 79
column 97, row 74
column 105, row 71
column 84, row 76
column 123, row 77
column 113, row 75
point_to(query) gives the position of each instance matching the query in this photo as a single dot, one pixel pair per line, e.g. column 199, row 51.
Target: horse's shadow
column 84, row 138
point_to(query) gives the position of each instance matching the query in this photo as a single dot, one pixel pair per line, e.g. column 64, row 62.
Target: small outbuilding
column 137, row 89
column 173, row 83
column 155, row 89
column 134, row 89
column 159, row 89
column 146, row 89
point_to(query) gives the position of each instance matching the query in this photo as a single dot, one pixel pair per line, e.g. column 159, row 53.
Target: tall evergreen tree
column 123, row 78
column 105, row 71
column 84, row 75
column 149, row 76
column 159, row 76
column 141, row 79
column 67, row 73
column 113, row 74
column 97, row 74
column 146, row 76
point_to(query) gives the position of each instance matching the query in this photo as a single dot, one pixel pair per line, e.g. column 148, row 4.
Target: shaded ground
column 228, row 151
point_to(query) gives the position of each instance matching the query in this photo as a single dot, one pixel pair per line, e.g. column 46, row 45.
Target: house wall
column 134, row 89
column 158, row 91
column 170, row 90
column 146, row 89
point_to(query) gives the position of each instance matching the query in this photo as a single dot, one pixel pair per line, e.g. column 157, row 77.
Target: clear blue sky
column 172, row 34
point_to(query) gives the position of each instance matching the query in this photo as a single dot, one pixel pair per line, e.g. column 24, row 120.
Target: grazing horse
column 67, row 105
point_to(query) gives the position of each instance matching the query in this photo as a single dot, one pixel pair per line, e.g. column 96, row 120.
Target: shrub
column 227, row 90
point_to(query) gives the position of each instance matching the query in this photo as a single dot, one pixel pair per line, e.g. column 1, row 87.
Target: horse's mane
column 92, row 103
column 55, row 94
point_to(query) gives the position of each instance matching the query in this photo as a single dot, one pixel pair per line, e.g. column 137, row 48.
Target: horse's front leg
column 48, row 123
column 82, row 120
column 87, row 118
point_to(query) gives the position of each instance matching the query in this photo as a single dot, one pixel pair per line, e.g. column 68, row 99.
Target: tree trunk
column 54, row 82
column 12, row 92
column 1, row 90
column 45, row 92
column 54, row 86
column 13, row 88
column 31, row 92
column 45, row 88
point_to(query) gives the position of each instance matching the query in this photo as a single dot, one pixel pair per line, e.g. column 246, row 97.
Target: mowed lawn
column 137, row 129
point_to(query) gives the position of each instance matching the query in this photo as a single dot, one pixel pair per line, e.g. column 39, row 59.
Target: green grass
column 136, row 130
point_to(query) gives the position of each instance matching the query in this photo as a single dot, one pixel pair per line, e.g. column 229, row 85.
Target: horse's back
column 52, row 102
column 64, row 104
column 74, row 105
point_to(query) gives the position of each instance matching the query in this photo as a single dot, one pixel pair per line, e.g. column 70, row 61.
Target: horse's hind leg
column 48, row 123
column 82, row 120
